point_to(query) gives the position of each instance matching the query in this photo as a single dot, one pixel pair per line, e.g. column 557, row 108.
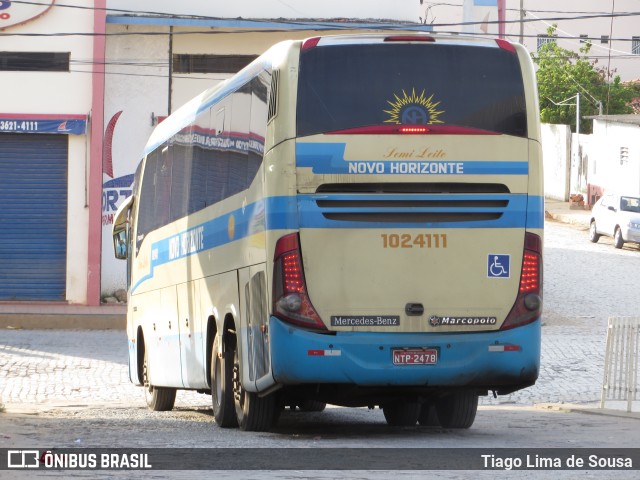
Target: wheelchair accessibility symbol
column 497, row 266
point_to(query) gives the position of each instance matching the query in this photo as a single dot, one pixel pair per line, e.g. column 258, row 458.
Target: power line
column 311, row 27
column 207, row 17
column 571, row 12
column 399, row 25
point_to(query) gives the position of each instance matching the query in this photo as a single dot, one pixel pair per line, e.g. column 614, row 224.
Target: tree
column 562, row 73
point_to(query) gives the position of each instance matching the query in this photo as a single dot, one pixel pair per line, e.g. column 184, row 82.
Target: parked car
column 616, row 216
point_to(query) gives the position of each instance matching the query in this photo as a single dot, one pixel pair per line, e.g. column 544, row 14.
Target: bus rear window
column 348, row 86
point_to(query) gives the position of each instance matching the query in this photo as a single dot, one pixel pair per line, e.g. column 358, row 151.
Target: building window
column 34, row 61
column 635, row 45
column 624, row 155
column 186, row 63
column 543, row 39
column 604, row 39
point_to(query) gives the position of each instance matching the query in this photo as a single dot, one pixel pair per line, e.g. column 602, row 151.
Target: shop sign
column 15, row 13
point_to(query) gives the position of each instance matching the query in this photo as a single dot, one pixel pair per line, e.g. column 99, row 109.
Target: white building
column 50, row 152
column 614, row 165
column 613, row 28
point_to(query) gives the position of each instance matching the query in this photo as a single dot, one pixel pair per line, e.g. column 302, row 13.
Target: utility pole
column 578, row 116
column 522, row 21
column 501, row 17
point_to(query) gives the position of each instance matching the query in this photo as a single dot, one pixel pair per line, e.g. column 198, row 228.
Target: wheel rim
column 238, row 391
column 148, row 388
column 218, row 379
column 618, row 238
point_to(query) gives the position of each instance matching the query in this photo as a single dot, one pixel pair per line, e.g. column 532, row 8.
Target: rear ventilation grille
column 412, row 203
column 439, row 188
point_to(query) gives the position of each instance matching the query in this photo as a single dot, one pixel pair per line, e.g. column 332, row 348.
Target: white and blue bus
column 349, row 220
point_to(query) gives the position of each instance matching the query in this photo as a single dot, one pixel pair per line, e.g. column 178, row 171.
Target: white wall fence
column 608, row 159
column 620, row 381
column 556, row 158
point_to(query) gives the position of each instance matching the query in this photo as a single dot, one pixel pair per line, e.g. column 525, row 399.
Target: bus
column 353, row 220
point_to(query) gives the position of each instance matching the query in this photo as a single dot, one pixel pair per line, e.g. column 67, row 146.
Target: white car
column 616, row 216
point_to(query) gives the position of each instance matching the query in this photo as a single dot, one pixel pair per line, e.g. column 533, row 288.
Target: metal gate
column 621, row 361
column 33, row 216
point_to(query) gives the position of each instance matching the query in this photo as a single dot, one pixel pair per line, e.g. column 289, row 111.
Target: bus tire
column 312, row 405
column 428, row 416
column 457, row 410
column 253, row 413
column 222, row 388
column 159, row 399
column 401, row 414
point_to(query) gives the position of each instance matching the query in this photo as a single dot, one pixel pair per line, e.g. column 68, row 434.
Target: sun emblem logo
column 413, row 109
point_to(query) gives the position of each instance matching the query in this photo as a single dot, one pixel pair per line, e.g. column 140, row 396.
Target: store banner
column 29, row 124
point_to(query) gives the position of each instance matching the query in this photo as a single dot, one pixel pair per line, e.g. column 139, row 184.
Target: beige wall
column 51, row 92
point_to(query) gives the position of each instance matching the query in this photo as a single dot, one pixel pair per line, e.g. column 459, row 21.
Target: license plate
column 415, row 356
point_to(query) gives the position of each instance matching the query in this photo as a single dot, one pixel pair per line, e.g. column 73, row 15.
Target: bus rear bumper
column 481, row 359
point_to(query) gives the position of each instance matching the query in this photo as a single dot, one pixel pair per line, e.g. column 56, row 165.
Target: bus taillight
column 530, row 276
column 310, row 43
column 409, row 38
column 528, row 305
column 505, row 45
column 290, row 300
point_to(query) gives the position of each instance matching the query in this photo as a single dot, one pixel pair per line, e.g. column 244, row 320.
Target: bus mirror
column 121, row 242
column 121, row 230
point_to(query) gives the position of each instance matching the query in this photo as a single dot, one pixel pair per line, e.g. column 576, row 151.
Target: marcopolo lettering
column 462, row 321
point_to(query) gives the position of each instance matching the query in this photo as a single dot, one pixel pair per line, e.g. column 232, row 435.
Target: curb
column 62, row 317
column 20, row 321
column 588, row 409
column 577, row 220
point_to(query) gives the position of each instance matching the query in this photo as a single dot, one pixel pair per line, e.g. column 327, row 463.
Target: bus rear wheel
column 222, row 387
column 457, row 410
column 401, row 413
column 159, row 399
column 253, row 413
column 428, row 416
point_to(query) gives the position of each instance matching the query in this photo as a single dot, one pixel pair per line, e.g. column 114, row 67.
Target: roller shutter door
column 33, row 217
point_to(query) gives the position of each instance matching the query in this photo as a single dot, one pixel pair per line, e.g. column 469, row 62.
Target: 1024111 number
column 420, row 240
